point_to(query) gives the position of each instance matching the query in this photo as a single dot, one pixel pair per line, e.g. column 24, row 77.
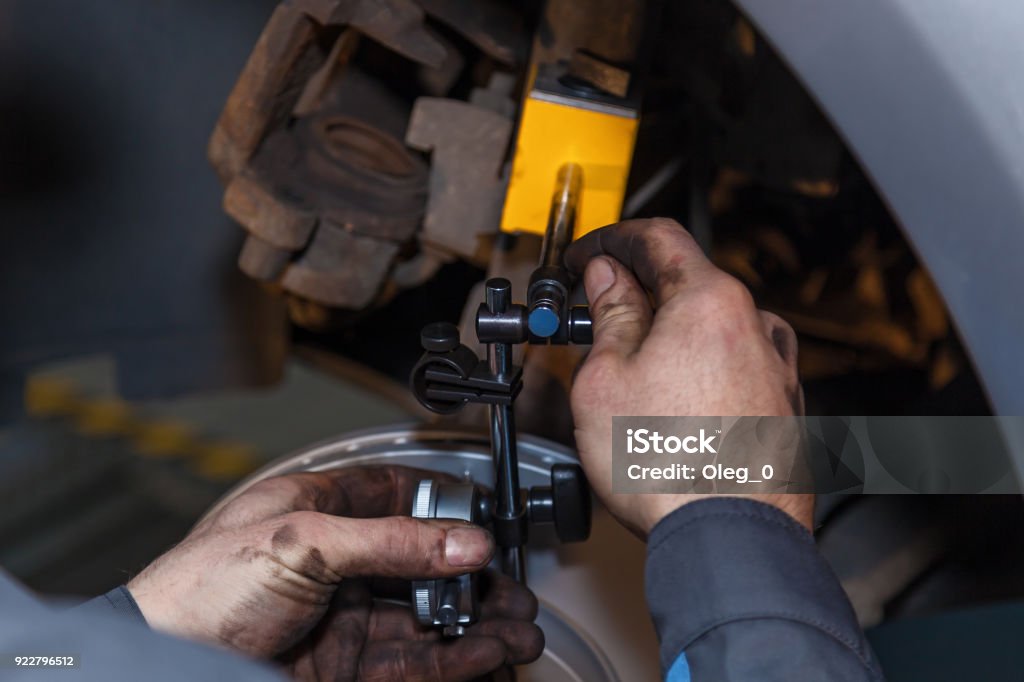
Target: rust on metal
column 466, row 188
column 396, row 24
column 277, row 222
column 493, row 27
column 598, row 73
column 340, row 268
column 285, row 56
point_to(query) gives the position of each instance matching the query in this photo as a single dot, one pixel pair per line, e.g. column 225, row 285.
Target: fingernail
column 467, row 547
column 598, row 278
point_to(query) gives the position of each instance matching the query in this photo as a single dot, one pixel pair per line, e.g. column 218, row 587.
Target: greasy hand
column 277, row 573
column 673, row 336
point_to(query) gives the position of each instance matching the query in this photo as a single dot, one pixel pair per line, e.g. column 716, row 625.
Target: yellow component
column 50, row 397
column 102, row 417
column 553, row 134
column 164, row 439
column 225, row 461
column 105, row 417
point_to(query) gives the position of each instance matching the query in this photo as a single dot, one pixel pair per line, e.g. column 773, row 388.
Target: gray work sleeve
column 105, row 644
column 119, row 600
column 738, row 591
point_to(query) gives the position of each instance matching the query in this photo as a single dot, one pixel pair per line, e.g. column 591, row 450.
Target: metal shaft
column 503, row 435
column 506, row 467
column 548, row 294
column 562, row 219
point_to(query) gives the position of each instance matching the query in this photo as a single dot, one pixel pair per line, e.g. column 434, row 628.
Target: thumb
column 402, row 547
column 619, row 307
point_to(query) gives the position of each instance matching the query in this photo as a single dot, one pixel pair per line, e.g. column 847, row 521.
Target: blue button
column 543, row 322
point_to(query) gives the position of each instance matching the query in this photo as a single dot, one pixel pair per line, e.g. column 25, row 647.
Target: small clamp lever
column 449, row 374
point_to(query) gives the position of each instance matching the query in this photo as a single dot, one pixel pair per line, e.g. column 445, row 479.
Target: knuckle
column 666, row 232
column 303, row 520
column 732, row 295
column 294, row 532
column 252, row 503
column 786, row 327
column 666, row 227
column 411, row 543
column 272, row 486
column 281, row 489
column 294, row 542
column 723, row 298
column 615, row 313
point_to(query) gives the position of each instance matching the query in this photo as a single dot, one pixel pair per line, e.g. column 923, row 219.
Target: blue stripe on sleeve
column 680, row 670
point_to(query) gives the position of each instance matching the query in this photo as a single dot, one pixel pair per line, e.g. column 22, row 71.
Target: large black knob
column 439, row 337
column 566, row 503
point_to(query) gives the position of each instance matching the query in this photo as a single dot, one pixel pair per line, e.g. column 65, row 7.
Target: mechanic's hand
column 701, row 349
column 277, row 573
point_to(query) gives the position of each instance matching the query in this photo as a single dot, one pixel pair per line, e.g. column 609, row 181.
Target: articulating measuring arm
column 450, row 375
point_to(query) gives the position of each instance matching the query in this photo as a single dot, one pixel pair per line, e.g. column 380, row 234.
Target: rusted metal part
column 598, row 73
column 339, row 268
column 420, row 267
column 396, row 24
column 359, row 177
column 336, row 195
column 261, row 260
column 278, row 222
column 289, row 53
column 438, row 81
column 326, row 168
column 329, row 200
column 497, row 96
column 494, row 28
column 857, row 299
column 285, row 56
column 609, row 29
column 466, row 188
column 357, row 94
column 336, row 63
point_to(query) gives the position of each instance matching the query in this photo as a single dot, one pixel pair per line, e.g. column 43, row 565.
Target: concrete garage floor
column 94, row 488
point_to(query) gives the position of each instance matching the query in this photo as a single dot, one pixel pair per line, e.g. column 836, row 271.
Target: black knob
column 440, row 337
column 581, row 327
column 566, row 503
column 571, row 497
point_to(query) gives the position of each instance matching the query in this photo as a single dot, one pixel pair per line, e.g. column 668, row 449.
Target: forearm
column 107, row 647
column 738, row 591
